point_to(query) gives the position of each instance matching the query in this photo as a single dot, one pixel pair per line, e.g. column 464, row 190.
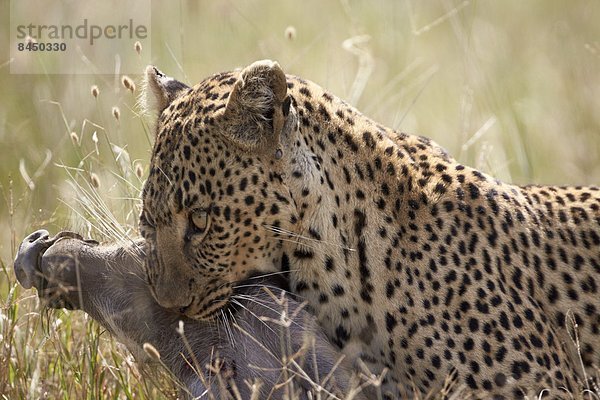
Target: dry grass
column 510, row 87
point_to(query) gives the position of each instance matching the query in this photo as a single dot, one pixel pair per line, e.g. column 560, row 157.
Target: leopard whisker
column 227, row 328
column 312, row 247
column 258, row 302
column 253, row 314
column 233, row 319
column 291, row 234
column 254, row 277
column 258, row 285
column 267, row 275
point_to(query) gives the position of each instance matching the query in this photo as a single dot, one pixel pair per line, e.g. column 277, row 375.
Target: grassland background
column 511, row 86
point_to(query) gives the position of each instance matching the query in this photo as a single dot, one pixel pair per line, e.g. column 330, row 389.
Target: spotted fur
column 410, row 260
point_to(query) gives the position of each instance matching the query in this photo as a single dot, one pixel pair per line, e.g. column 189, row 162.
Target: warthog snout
column 51, row 272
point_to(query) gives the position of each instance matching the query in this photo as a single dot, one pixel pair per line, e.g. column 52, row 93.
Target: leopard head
column 215, row 199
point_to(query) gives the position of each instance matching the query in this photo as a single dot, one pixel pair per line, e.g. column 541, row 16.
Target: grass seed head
column 95, row 91
column 139, row 170
column 151, row 351
column 128, row 83
column 94, row 180
column 74, row 138
column 290, row 33
column 116, row 112
column 138, row 47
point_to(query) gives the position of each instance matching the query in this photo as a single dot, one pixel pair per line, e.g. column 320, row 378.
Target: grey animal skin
column 108, row 283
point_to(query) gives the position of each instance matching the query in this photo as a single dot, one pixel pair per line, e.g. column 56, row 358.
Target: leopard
column 415, row 265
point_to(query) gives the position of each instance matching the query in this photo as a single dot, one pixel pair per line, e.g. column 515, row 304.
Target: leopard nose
column 28, row 257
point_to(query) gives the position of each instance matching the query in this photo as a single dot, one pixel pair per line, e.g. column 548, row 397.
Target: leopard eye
column 199, row 220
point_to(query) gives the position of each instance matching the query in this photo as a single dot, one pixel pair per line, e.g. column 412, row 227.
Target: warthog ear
column 159, row 90
column 254, row 117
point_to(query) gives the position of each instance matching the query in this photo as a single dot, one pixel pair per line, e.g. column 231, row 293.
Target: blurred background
column 511, row 87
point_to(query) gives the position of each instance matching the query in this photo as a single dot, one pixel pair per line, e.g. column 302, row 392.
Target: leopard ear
column 253, row 117
column 159, row 90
